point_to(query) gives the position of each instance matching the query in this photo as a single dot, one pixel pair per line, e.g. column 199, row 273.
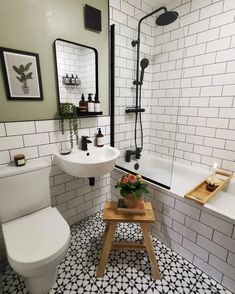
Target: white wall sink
column 86, row 164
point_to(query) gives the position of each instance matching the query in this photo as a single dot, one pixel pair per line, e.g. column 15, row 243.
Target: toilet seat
column 37, row 239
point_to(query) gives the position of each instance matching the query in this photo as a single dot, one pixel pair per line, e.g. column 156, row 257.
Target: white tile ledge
column 225, row 213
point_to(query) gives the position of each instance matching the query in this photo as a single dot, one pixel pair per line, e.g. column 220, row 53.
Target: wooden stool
column 111, row 218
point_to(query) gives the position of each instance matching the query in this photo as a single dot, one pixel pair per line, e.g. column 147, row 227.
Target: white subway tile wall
column 191, row 68
column 193, row 57
column 203, row 237
column 74, row 198
column 191, row 73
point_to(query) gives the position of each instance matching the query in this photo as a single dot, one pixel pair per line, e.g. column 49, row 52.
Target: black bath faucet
column 129, row 153
column 84, row 142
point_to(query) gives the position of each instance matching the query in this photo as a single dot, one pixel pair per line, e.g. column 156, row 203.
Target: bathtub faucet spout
column 129, row 153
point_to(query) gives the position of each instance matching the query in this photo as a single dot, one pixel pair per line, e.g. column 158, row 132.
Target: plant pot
column 130, row 201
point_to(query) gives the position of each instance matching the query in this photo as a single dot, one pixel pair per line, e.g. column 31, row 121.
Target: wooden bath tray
column 201, row 195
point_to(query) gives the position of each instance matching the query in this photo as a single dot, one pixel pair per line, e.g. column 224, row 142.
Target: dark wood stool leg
column 107, row 244
column 150, row 251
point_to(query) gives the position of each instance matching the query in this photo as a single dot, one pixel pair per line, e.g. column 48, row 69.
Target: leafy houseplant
column 132, row 187
column 68, row 112
column 23, row 76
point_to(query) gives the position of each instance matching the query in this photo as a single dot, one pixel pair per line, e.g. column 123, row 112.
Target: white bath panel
column 223, row 203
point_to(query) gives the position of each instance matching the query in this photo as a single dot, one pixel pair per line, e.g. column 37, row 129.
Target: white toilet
column 36, row 235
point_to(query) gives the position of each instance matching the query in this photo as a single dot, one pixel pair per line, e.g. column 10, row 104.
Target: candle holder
column 211, row 187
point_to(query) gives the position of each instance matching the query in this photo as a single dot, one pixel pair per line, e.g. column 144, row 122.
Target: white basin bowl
column 86, row 164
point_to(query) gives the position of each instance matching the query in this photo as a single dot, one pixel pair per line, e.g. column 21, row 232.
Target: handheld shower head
column 143, row 63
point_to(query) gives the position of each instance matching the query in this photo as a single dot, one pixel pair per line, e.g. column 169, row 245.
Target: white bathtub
column 182, row 179
column 155, row 168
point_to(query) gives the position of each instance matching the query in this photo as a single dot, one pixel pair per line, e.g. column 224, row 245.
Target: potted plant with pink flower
column 132, row 187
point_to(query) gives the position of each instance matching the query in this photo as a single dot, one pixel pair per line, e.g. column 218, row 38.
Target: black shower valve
column 137, row 83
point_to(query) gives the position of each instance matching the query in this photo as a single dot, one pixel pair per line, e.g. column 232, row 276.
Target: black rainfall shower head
column 166, row 18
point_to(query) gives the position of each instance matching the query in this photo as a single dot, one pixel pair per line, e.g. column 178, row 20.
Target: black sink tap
column 84, row 142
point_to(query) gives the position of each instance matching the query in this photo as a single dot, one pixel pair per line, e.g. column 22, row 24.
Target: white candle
column 213, row 173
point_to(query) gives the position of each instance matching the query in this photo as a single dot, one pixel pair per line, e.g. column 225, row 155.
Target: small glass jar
column 19, row 160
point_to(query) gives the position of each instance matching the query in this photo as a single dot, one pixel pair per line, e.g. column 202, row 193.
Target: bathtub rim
column 207, row 207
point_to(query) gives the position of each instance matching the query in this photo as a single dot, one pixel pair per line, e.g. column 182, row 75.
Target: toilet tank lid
column 12, row 170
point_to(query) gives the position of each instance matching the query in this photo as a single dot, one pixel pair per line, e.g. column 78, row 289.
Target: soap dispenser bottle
column 67, row 80
column 97, row 104
column 90, row 104
column 73, row 81
column 99, row 138
column 77, row 81
column 83, row 104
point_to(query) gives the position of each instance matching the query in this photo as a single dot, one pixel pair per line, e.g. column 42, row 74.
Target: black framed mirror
column 76, row 70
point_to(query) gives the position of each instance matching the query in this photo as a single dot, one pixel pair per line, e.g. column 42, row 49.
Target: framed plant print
column 22, row 76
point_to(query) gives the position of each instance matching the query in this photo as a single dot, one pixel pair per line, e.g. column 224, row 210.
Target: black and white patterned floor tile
column 127, row 271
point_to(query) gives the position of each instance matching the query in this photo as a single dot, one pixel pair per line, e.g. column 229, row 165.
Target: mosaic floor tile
column 126, row 272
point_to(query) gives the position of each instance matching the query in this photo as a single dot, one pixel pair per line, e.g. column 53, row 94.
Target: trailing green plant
column 23, row 76
column 68, row 112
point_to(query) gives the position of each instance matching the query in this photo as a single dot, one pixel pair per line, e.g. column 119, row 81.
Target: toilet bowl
column 36, row 244
column 36, row 235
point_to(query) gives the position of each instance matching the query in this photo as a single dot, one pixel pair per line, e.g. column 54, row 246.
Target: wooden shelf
column 88, row 114
column 71, row 85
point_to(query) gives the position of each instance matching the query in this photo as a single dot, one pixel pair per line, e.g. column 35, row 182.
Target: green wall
column 33, row 26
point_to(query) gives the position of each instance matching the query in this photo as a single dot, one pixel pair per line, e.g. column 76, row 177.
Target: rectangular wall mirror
column 77, row 71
